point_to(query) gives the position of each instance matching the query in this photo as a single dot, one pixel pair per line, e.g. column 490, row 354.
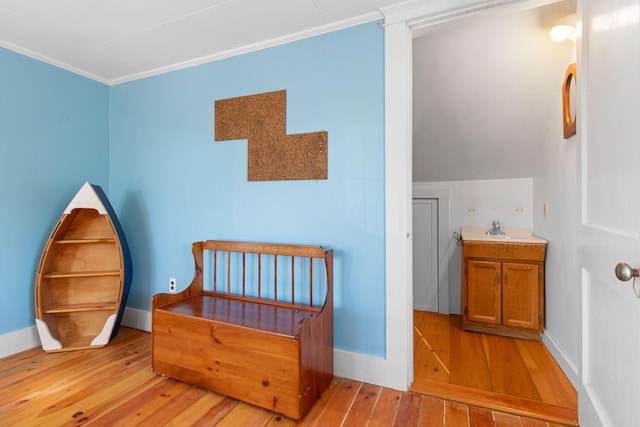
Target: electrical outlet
column 172, row 285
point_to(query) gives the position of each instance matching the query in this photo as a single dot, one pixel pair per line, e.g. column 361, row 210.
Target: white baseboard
column 368, row 369
column 17, row 341
column 567, row 366
column 136, row 319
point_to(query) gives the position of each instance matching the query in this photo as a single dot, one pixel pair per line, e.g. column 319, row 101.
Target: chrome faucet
column 495, row 228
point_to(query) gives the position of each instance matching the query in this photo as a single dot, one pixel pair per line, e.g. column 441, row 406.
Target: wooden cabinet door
column 521, row 295
column 483, row 292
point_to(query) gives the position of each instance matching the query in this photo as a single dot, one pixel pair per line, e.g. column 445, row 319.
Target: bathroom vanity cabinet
column 503, row 287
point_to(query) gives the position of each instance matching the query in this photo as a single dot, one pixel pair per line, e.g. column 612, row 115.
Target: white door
column 425, row 254
column 609, row 119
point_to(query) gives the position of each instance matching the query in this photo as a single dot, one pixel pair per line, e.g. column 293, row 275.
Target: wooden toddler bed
column 256, row 324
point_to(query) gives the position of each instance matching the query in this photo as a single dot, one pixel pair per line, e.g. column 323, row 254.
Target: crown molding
column 289, row 38
column 55, row 63
column 328, row 28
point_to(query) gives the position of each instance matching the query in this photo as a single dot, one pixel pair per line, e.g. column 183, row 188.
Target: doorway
column 471, row 146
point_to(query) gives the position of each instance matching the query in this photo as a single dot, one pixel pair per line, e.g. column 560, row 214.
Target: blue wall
column 172, row 184
column 150, row 145
column 54, row 136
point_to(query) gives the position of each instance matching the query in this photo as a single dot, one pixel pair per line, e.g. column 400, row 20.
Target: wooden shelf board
column 60, row 275
column 77, row 343
column 75, row 308
column 81, row 241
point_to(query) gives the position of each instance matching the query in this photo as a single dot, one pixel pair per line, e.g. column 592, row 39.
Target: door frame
column 401, row 21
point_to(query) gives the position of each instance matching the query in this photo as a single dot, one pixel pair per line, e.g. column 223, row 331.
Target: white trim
column 398, row 209
column 569, row 368
column 18, row 341
column 54, row 62
column 289, row 38
column 137, row 319
column 360, row 367
column 423, row 13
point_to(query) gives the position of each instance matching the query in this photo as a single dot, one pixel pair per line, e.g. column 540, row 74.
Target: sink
column 515, row 235
column 497, row 236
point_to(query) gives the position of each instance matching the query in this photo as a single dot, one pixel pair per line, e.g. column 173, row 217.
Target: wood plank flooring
column 504, row 374
column 114, row 386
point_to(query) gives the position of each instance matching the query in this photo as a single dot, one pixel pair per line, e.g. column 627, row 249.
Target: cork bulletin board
column 272, row 154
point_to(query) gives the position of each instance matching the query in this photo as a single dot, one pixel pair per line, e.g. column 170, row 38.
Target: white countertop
column 515, row 235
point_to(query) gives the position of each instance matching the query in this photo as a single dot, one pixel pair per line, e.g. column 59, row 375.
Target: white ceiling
column 115, row 41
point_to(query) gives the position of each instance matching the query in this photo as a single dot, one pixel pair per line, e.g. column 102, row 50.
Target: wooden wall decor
column 272, row 154
column 568, row 116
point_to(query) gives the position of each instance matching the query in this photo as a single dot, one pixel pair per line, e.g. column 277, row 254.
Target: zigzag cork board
column 273, row 155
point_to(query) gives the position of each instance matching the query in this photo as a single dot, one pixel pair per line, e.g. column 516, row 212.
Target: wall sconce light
column 564, row 29
column 560, row 33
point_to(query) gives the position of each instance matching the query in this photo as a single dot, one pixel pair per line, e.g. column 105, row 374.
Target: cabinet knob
column 625, row 272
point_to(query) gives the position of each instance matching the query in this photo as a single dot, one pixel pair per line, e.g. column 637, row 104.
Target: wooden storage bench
column 256, row 324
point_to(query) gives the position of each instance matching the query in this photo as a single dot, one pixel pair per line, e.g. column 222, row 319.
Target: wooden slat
column 408, row 410
column 437, row 331
column 310, row 282
column 336, row 402
column 530, row 422
column 509, row 373
column 194, row 413
column 275, row 278
column 506, row 420
column 265, row 248
column 456, row 415
column 480, row 417
column 426, row 363
column 432, row 412
column 499, row 402
column 244, row 414
column 465, row 370
column 138, row 407
column 293, row 281
column 363, row 405
column 384, row 414
column 170, row 407
column 217, row 413
column 545, row 372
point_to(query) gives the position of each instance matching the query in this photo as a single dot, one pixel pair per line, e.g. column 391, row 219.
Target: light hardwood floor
column 505, row 374
column 114, row 386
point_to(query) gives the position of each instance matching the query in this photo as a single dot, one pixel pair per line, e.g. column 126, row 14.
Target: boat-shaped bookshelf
column 84, row 276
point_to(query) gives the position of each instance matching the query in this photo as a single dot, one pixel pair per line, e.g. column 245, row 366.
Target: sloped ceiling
column 114, row 41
